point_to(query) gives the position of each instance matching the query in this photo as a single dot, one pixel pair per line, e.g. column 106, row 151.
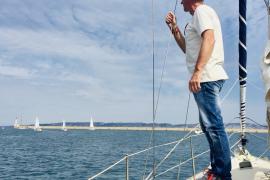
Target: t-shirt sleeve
column 203, row 20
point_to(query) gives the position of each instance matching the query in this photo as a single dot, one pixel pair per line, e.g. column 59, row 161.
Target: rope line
column 229, row 91
column 264, row 152
column 155, row 105
column 111, row 166
column 187, row 111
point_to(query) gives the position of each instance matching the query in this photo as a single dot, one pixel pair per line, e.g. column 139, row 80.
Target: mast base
column 244, row 141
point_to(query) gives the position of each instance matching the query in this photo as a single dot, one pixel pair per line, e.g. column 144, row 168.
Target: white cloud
column 15, row 72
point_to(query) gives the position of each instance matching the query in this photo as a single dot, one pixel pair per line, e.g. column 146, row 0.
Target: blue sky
column 68, row 60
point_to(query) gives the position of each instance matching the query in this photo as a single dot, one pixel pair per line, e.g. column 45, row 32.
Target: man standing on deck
column 203, row 45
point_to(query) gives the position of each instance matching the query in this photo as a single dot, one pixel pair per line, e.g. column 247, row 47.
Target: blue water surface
column 80, row 154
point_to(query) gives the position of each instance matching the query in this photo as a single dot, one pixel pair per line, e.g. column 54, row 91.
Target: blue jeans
column 211, row 123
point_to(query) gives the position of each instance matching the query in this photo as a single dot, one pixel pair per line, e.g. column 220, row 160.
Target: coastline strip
column 230, row 130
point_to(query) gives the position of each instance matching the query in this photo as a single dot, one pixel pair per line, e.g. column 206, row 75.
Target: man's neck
column 195, row 6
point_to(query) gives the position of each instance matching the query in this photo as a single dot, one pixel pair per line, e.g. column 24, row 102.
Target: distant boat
column 16, row 124
column 198, row 131
column 37, row 126
column 20, row 126
column 64, row 126
column 91, row 126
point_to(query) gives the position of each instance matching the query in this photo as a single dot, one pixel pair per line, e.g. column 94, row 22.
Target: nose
column 182, row 2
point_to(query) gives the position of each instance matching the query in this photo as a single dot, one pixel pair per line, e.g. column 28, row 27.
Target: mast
column 268, row 10
column 242, row 68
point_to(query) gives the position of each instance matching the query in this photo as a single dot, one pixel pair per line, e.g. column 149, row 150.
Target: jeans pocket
column 220, row 83
column 213, row 87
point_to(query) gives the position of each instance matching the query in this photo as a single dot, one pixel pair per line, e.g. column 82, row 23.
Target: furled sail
column 265, row 66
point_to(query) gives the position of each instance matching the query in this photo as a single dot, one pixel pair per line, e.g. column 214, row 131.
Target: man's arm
column 179, row 38
column 207, row 46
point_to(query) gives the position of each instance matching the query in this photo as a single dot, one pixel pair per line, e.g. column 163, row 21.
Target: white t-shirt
column 205, row 18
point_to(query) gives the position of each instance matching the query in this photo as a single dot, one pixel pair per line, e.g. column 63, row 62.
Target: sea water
column 80, row 154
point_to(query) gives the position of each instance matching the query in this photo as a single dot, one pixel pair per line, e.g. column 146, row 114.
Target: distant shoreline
column 251, row 130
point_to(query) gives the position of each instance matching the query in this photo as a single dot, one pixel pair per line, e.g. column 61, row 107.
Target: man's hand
column 194, row 83
column 171, row 20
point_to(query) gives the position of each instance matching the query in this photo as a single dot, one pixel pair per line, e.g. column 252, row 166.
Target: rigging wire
column 187, row 111
column 155, row 104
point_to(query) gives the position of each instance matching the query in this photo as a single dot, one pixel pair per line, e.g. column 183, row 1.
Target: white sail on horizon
column 16, row 124
column 64, row 126
column 37, row 123
column 37, row 126
column 92, row 127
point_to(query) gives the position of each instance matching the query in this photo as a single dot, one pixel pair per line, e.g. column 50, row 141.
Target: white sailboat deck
column 260, row 170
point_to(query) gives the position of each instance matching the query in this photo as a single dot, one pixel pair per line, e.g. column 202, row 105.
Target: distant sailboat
column 37, row 127
column 64, row 126
column 16, row 124
column 198, row 131
column 91, row 126
column 20, row 125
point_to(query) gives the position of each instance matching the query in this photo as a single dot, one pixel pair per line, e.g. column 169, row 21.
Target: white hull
column 91, row 128
column 260, row 169
column 37, row 129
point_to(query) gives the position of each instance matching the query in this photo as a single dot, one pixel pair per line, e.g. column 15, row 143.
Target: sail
column 64, row 126
column 265, row 66
column 16, row 124
column 265, row 69
column 92, row 127
column 91, row 123
column 37, row 123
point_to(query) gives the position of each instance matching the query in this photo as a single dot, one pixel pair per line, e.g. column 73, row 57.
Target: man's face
column 187, row 4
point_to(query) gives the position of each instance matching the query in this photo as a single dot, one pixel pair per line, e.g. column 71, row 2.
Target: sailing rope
column 155, row 105
column 187, row 111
